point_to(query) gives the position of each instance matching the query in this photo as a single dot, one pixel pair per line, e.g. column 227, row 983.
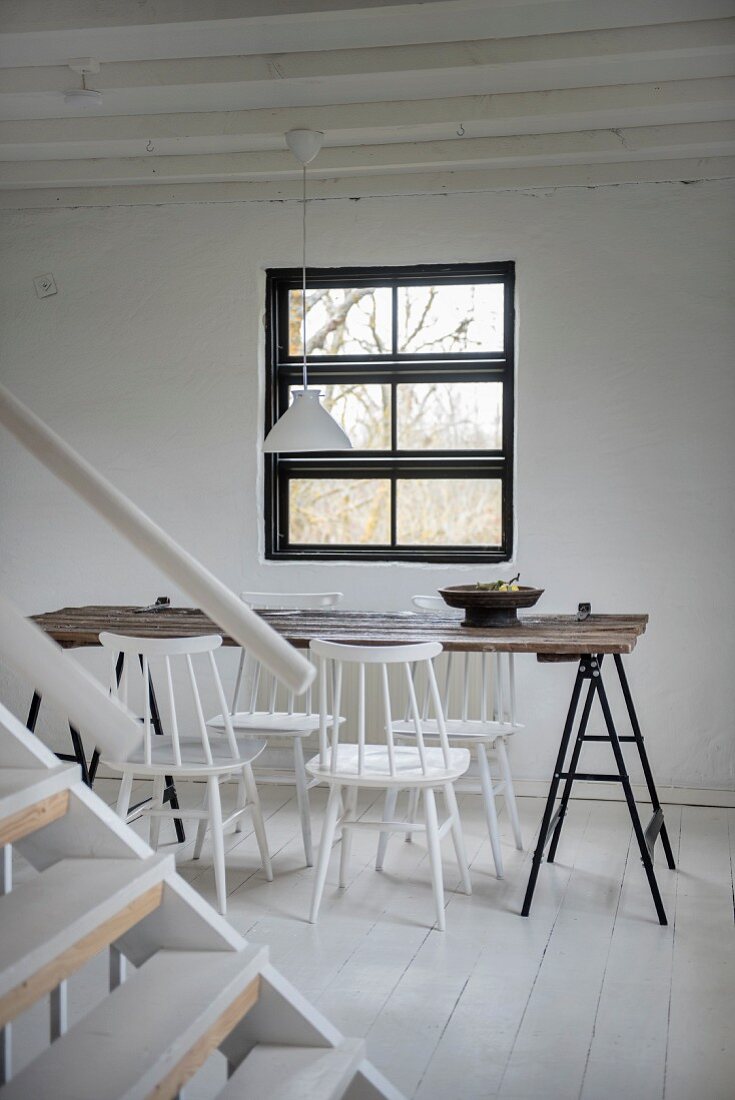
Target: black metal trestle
column 590, row 671
column 89, row 770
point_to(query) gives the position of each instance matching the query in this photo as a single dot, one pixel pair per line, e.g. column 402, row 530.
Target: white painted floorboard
column 589, row 998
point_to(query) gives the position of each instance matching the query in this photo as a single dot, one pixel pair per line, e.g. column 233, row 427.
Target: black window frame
column 284, row 370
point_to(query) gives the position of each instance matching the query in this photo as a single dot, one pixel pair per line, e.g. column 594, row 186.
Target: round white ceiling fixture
column 304, row 144
column 83, row 98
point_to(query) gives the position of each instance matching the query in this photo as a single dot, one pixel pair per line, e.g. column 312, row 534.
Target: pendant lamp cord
column 303, row 273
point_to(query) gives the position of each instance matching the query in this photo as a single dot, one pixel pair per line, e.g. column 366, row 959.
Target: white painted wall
column 149, row 359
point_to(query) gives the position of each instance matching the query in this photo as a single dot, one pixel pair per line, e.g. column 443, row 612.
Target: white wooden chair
column 264, row 714
column 393, row 767
column 483, row 725
column 212, row 757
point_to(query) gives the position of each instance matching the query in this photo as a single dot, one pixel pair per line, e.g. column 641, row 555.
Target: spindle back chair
column 480, row 707
column 386, row 764
column 191, row 750
column 261, row 707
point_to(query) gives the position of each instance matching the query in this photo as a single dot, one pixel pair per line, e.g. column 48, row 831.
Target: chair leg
column 156, row 804
column 450, row 797
column 258, row 823
column 413, row 803
column 302, row 797
column 435, row 855
column 242, row 801
column 201, row 828
column 389, row 813
column 325, row 848
column 218, row 842
column 509, row 792
column 486, row 783
column 123, row 798
column 344, row 856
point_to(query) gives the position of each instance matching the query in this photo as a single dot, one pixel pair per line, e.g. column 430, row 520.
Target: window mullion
column 394, row 319
column 393, row 523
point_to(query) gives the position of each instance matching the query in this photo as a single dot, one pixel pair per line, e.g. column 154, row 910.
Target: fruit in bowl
column 493, row 603
column 499, row 586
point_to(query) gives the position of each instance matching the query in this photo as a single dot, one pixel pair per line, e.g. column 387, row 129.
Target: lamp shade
column 306, row 426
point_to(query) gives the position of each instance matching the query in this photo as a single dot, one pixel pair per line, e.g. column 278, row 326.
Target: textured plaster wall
column 150, row 361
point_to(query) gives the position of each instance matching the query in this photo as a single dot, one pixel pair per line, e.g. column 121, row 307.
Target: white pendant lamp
column 306, row 425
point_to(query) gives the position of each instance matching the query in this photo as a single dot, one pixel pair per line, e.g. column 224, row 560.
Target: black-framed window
column 417, row 364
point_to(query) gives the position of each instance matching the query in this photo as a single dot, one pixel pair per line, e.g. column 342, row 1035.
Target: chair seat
column 469, row 729
column 375, row 771
column 193, row 759
column 275, row 724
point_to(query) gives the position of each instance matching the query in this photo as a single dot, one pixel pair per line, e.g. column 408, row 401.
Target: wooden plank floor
column 588, row 998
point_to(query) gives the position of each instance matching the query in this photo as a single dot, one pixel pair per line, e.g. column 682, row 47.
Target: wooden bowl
column 483, row 607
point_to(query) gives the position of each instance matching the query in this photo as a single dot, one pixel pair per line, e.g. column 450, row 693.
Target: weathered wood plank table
column 549, row 637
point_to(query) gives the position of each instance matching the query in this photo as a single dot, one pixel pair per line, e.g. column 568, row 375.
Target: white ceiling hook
column 304, row 144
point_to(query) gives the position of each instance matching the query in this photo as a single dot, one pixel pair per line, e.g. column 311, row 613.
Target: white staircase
column 194, row 986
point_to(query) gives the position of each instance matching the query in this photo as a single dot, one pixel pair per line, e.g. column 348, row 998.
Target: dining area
column 396, row 745
column 341, row 783
column 384, row 835
column 365, row 816
column 366, row 588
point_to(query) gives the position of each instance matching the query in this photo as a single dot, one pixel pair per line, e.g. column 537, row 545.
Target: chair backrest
column 376, row 662
column 152, row 661
column 475, row 686
column 261, row 688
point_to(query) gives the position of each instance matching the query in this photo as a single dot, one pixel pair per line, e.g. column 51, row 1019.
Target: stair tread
column 141, row 1031
column 51, row 912
column 283, row 1072
column 21, row 788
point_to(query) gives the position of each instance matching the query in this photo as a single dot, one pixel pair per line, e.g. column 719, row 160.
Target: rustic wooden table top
column 550, row 637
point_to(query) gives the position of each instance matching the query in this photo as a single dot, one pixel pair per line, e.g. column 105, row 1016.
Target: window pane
column 450, row 416
column 452, row 318
column 334, row 511
column 449, row 512
column 341, row 321
column 363, row 412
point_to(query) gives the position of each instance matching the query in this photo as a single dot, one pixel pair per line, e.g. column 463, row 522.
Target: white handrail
column 225, row 609
column 66, row 684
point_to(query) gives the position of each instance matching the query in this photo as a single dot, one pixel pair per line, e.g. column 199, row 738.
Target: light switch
column 45, row 285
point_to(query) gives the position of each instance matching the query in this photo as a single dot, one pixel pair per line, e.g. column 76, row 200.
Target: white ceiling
column 413, row 97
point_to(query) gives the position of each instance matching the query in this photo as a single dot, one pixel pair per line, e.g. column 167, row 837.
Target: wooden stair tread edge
column 282, row 1072
column 56, row 909
column 31, row 798
column 36, row 816
column 119, row 1051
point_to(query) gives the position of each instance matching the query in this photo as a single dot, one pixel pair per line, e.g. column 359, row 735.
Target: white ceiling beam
column 646, row 143
column 31, row 16
column 45, row 32
column 704, row 37
column 605, row 58
column 429, row 119
column 28, row 15
column 685, row 170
